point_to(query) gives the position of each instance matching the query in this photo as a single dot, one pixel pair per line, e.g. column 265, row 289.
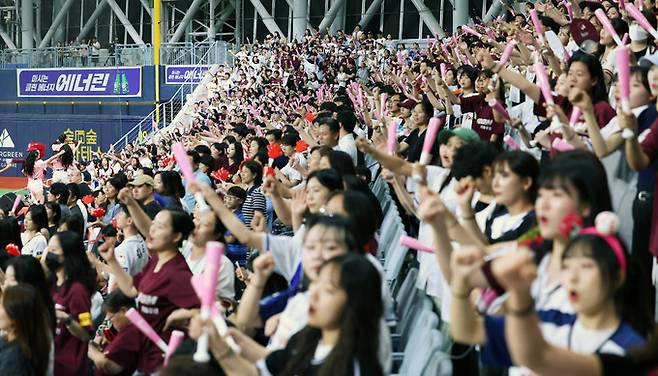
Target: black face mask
column 52, row 262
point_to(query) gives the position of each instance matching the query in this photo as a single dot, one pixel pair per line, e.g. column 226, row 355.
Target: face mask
column 52, row 262
column 637, row 33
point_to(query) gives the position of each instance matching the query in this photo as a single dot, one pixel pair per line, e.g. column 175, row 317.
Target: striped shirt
column 255, row 201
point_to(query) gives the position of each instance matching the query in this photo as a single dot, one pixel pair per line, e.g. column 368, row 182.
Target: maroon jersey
column 124, row 350
column 71, row 352
column 161, row 293
column 483, row 119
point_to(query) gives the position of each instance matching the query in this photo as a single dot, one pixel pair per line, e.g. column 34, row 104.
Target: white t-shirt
column 35, row 246
column 225, row 277
column 132, row 255
column 347, row 144
column 292, row 174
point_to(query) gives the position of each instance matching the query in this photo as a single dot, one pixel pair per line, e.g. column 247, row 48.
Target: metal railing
column 187, row 53
column 167, row 112
column 76, row 56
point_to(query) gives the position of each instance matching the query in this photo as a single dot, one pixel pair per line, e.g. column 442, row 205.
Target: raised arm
column 393, row 163
column 466, row 325
column 232, row 223
column 524, row 338
column 139, row 216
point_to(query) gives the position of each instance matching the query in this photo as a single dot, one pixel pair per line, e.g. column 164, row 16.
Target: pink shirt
column 39, row 169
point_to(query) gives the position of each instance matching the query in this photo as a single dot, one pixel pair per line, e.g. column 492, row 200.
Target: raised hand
column 515, row 270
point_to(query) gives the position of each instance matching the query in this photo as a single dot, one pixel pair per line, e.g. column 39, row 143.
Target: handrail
column 144, row 130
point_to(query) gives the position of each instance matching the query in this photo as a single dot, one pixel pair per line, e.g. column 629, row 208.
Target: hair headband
column 606, row 225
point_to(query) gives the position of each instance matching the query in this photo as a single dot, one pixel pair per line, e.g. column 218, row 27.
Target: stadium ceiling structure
column 27, row 24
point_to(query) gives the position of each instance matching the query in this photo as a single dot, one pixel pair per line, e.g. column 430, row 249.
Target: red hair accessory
column 41, row 148
column 310, row 117
column 606, row 226
column 12, row 250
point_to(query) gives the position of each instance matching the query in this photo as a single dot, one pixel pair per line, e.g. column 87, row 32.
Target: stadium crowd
column 521, row 154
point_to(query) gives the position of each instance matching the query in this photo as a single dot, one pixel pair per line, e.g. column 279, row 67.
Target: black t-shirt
column 415, row 140
column 151, row 209
column 277, row 360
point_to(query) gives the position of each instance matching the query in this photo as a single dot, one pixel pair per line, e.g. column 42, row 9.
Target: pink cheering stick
column 17, row 201
column 622, row 5
column 624, row 71
column 444, row 71
column 141, row 324
column 507, row 52
column 412, row 243
column 430, row 137
column 600, row 14
column 391, row 137
column 624, row 39
column 544, row 85
column 560, row 144
column 509, row 141
column 468, row 30
column 174, row 342
column 575, row 115
column 214, row 251
column 186, row 168
column 641, row 20
column 490, row 34
column 537, row 25
column 218, row 320
column 498, row 107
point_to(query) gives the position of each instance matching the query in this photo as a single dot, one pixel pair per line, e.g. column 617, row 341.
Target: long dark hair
column 39, row 216
column 172, row 183
column 28, row 166
column 239, row 152
column 28, row 315
column 76, row 264
column 359, row 324
column 636, row 312
column 67, row 157
column 27, row 270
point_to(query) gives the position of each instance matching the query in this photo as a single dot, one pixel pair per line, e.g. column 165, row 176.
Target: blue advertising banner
column 92, row 133
column 180, row 74
column 79, row 82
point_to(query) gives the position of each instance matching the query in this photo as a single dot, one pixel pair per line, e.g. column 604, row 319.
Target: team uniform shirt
column 132, row 255
column 276, row 361
column 430, row 278
column 124, row 350
column 34, row 246
column 161, row 293
column 561, row 330
column 501, row 226
column 482, row 121
column 70, row 351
